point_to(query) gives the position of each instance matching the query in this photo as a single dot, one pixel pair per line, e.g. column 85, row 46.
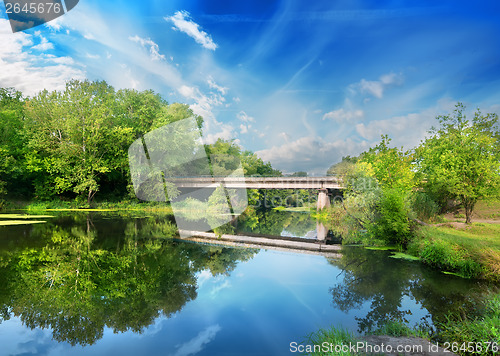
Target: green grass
column 398, row 328
column 480, row 328
column 58, row 205
column 487, row 209
column 473, row 252
column 333, row 335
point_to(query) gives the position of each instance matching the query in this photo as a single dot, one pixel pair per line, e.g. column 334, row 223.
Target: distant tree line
column 72, row 144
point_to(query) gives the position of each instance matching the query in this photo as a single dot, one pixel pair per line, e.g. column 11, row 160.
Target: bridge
column 322, row 184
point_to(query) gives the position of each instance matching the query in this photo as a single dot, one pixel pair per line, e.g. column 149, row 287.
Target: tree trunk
column 469, row 206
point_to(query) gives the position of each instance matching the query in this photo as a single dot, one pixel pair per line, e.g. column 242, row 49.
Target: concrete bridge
column 322, row 184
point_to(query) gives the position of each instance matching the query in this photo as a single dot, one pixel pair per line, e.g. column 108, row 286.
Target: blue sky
column 302, row 83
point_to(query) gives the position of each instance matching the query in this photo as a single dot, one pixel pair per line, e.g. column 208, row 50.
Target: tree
column 12, row 142
column 299, row 174
column 343, row 167
column 376, row 201
column 461, row 159
column 70, row 133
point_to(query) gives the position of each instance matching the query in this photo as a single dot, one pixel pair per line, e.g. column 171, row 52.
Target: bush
column 392, row 223
column 423, row 205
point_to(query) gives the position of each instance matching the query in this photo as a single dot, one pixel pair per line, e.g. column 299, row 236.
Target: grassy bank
column 97, row 206
column 479, row 329
column 470, row 252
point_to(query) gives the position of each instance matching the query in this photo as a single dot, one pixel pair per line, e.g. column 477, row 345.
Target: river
column 105, row 283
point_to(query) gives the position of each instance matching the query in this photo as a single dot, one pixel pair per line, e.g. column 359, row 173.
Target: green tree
column 299, row 174
column 376, row 201
column 461, row 159
column 12, row 142
column 343, row 167
column 70, row 134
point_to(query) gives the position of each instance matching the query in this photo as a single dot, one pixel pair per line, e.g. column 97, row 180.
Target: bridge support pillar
column 323, row 199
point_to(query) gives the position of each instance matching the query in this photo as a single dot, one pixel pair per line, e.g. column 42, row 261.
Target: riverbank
column 477, row 333
column 472, row 251
column 61, row 205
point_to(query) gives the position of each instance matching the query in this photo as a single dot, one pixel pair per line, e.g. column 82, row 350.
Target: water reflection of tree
column 273, row 222
column 371, row 278
column 77, row 284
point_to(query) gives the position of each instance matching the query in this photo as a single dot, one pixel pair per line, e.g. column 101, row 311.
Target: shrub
column 423, row 205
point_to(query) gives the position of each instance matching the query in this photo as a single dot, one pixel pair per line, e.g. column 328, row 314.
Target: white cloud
column 196, row 344
column 213, row 85
column 28, row 72
column 92, row 56
column 311, row 154
column 407, row 130
column 204, row 106
column 342, row 115
column 244, row 128
column 182, row 22
column 44, row 44
column 376, row 88
column 154, row 49
column 243, row 116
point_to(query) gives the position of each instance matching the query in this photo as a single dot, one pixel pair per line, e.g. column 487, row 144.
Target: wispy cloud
column 376, row 88
column 44, row 44
column 182, row 22
column 213, row 85
column 154, row 49
column 197, row 343
column 342, row 115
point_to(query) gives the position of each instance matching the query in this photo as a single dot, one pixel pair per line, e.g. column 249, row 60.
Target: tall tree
column 12, row 141
column 71, row 135
column 461, row 159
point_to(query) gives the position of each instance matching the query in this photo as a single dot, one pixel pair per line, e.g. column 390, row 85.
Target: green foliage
column 343, row 167
column 375, row 208
column 482, row 328
column 423, row 205
column 299, row 174
column 447, row 256
column 472, row 253
column 461, row 159
column 332, row 335
column 391, row 223
column 398, row 328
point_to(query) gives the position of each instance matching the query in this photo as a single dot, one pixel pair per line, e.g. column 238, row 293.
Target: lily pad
column 454, row 274
column 381, row 248
column 405, row 256
column 24, row 216
column 20, row 222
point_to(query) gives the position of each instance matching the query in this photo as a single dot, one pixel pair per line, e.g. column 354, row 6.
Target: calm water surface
column 96, row 283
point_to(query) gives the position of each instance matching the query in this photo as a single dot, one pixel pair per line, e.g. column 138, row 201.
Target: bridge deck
column 260, row 182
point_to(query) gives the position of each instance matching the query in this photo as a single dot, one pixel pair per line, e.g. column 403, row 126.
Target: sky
column 301, row 83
